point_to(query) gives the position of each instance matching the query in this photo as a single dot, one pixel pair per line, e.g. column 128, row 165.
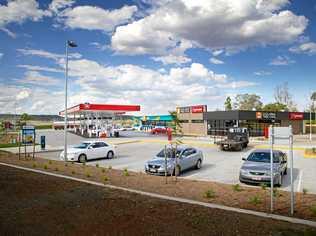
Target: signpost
column 282, row 135
column 28, row 138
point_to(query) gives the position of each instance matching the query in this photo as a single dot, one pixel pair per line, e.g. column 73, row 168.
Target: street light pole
column 310, row 123
column 68, row 44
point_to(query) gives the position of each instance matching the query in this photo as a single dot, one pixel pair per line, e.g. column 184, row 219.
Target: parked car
column 128, row 128
column 187, row 158
column 159, row 130
column 88, row 150
column 256, row 168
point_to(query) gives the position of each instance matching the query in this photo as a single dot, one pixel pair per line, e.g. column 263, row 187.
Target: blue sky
column 158, row 54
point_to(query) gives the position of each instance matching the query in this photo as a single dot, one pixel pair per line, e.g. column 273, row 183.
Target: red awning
column 101, row 108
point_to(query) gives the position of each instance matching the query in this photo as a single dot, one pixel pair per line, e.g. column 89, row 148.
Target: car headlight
column 244, row 172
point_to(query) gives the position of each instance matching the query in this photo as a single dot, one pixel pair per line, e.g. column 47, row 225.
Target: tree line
column 282, row 96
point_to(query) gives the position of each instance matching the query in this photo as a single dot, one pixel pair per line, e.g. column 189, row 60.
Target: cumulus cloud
column 41, row 68
column 96, row 18
column 216, row 61
column 305, row 48
column 56, row 5
column 282, row 61
column 19, row 11
column 216, row 25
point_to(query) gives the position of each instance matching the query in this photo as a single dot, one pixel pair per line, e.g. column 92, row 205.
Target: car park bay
column 217, row 166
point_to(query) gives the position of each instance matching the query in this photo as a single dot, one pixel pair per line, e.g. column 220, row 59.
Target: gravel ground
column 36, row 204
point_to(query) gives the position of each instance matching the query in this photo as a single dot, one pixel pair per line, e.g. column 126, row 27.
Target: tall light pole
column 313, row 99
column 68, row 44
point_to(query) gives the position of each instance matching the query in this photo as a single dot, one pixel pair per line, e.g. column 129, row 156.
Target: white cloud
column 57, row 5
column 306, row 48
column 215, row 25
column 99, row 46
column 41, row 68
column 172, row 59
column 46, row 54
column 35, row 78
column 19, row 11
column 96, row 18
column 1, row 55
column 282, row 61
column 216, row 61
column 237, row 84
column 262, row 73
column 22, row 95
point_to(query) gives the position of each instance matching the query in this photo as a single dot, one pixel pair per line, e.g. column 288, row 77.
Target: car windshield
column 82, row 145
column 169, row 152
column 262, row 157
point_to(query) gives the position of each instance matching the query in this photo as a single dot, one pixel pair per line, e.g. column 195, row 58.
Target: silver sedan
column 187, row 158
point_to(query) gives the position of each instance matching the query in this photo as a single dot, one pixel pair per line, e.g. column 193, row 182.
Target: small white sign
column 281, row 134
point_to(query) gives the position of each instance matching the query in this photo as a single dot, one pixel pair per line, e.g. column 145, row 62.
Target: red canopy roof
column 101, row 108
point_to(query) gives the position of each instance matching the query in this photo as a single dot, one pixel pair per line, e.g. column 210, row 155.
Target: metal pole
column 271, row 166
column 165, row 152
column 310, row 124
column 291, row 157
column 66, row 88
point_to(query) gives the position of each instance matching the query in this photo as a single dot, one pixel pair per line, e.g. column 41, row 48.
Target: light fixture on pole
column 68, row 44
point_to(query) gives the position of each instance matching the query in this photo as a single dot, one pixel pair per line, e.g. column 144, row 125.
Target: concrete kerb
column 177, row 199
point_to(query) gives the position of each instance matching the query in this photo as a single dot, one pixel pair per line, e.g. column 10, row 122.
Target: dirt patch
column 32, row 203
column 224, row 194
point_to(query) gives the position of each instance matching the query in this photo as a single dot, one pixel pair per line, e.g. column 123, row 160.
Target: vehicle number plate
column 256, row 178
column 152, row 170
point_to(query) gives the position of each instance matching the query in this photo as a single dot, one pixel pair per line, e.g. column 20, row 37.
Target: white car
column 88, row 150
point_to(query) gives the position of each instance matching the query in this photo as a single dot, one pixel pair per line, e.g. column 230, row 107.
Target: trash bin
column 43, row 142
column 116, row 134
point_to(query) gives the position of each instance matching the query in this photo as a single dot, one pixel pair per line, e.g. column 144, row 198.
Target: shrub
column 237, row 188
column 263, row 186
column 72, row 162
column 45, row 167
column 255, row 200
column 50, row 162
column 105, row 179
column 34, row 165
column 276, row 193
column 103, row 170
column 125, row 172
column 313, row 210
column 209, row 194
column 66, row 164
column 73, row 172
column 305, row 191
column 88, row 175
column 97, row 165
column 110, row 167
column 84, row 163
column 56, row 169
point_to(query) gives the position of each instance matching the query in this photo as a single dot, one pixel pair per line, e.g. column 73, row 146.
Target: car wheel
column 110, row 155
column 82, row 158
column 198, row 164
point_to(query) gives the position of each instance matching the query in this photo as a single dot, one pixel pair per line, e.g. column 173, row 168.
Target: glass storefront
column 255, row 127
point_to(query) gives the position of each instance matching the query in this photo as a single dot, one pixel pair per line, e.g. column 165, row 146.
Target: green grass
column 313, row 210
column 255, row 200
column 43, row 127
column 10, row 145
column 209, row 194
column 237, row 188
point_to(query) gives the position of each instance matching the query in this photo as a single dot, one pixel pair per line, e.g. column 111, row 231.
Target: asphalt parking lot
column 217, row 166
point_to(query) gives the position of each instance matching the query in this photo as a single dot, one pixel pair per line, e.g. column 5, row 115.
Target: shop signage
column 296, row 116
column 266, row 115
column 28, row 134
column 198, row 109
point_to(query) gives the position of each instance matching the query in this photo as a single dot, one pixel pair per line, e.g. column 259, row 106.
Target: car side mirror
column 243, row 158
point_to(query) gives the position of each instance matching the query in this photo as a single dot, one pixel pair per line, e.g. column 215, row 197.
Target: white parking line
column 300, row 178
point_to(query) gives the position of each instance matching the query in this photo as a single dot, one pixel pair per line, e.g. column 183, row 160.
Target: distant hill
column 32, row 117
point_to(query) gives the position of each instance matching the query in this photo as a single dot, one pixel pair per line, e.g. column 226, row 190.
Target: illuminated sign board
column 266, row 115
column 296, row 116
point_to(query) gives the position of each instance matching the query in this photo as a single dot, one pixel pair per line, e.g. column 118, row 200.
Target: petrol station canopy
column 100, row 109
